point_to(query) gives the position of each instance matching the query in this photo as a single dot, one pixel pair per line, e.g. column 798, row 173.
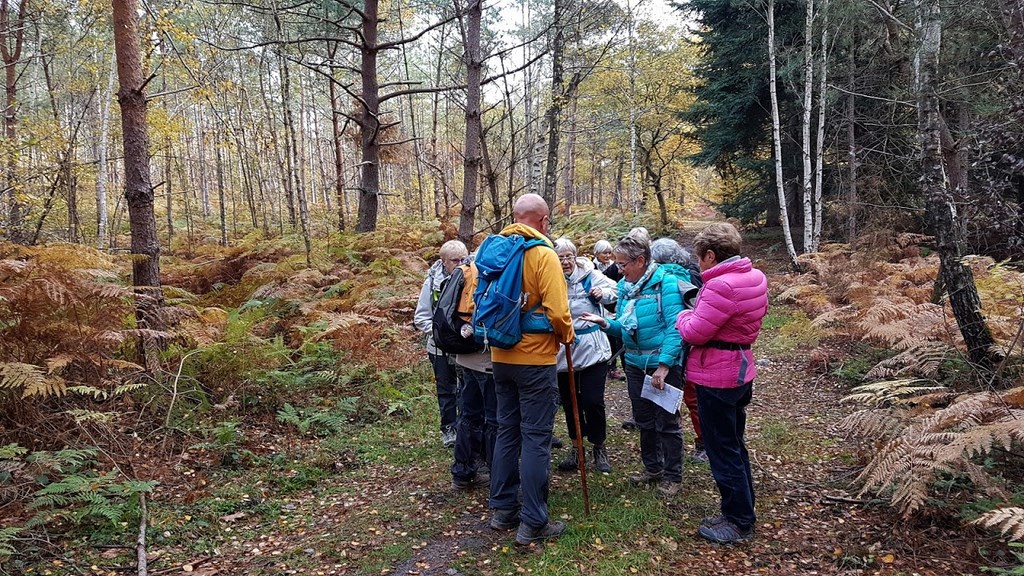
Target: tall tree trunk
column 634, row 196
column 416, row 146
column 15, row 30
column 620, row 165
column 369, row 122
column 204, row 182
column 101, row 156
column 777, row 137
column 956, row 276
column 138, row 189
column 439, row 183
column 851, row 145
column 297, row 159
column 471, row 170
column 284, row 174
column 337, row 140
column 537, row 159
column 289, row 140
column 805, row 128
column 553, row 115
column 221, row 197
column 819, row 153
column 569, row 168
column 102, row 214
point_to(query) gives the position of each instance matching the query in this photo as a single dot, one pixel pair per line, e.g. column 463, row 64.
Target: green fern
column 63, row 460
column 86, row 497
column 7, row 538
column 288, row 414
column 324, row 422
column 12, row 451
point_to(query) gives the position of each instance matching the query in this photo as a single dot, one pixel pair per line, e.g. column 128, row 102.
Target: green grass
column 862, row 358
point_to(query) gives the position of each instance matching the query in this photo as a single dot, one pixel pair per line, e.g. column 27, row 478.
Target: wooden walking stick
column 581, row 461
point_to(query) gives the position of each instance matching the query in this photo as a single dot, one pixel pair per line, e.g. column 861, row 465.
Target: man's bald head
column 532, row 210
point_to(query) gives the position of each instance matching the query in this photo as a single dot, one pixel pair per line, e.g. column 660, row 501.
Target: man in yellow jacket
column 526, row 386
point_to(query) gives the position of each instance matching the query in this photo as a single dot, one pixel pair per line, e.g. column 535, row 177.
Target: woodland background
column 216, row 215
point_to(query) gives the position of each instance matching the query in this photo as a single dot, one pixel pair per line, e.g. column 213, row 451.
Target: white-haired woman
column 452, row 253
column 588, row 290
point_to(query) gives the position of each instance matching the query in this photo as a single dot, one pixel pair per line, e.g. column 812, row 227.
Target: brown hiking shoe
column 669, row 488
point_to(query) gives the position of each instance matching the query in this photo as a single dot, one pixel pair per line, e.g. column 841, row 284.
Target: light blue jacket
column 646, row 321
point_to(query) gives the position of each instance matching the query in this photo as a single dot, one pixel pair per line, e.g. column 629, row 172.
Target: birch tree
column 805, row 128
column 955, row 276
column 777, row 136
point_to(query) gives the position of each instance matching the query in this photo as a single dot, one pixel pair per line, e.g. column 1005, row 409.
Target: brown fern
column 1009, row 521
column 935, row 443
column 919, row 359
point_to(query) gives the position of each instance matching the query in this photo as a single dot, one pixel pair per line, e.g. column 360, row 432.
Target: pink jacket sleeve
column 715, row 306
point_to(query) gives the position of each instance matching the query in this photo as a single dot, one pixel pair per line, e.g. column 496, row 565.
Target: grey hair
column 640, row 233
column 453, row 249
column 564, row 243
column 602, row 246
column 633, row 247
column 668, row 251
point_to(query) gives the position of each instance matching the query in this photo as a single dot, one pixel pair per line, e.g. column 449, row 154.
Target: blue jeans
column 447, row 378
column 723, row 419
column 527, row 398
column 661, row 437
column 478, row 424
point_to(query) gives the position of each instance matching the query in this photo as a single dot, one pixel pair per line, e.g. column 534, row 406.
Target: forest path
column 397, row 514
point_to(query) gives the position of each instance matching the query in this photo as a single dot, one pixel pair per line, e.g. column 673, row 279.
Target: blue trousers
column 447, row 378
column 723, row 419
column 661, row 437
column 478, row 424
column 527, row 398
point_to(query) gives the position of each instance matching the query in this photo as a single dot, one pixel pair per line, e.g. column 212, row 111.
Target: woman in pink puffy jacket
column 720, row 328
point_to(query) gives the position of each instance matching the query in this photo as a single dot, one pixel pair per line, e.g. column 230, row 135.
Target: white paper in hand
column 669, row 398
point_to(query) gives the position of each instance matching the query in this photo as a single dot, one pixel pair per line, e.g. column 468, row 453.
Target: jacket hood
column 734, row 264
column 436, row 275
column 583, row 267
column 525, row 231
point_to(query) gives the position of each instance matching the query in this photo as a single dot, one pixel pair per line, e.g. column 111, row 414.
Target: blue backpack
column 498, row 316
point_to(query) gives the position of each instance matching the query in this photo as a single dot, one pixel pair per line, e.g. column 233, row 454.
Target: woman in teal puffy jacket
column 648, row 304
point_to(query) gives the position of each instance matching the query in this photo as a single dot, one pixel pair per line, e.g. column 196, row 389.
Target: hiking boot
column 468, row 483
column 570, row 462
column 699, row 457
column 725, row 533
column 448, row 438
column 645, row 477
column 669, row 488
column 556, row 442
column 601, row 463
column 713, row 520
column 505, row 519
column 526, row 535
